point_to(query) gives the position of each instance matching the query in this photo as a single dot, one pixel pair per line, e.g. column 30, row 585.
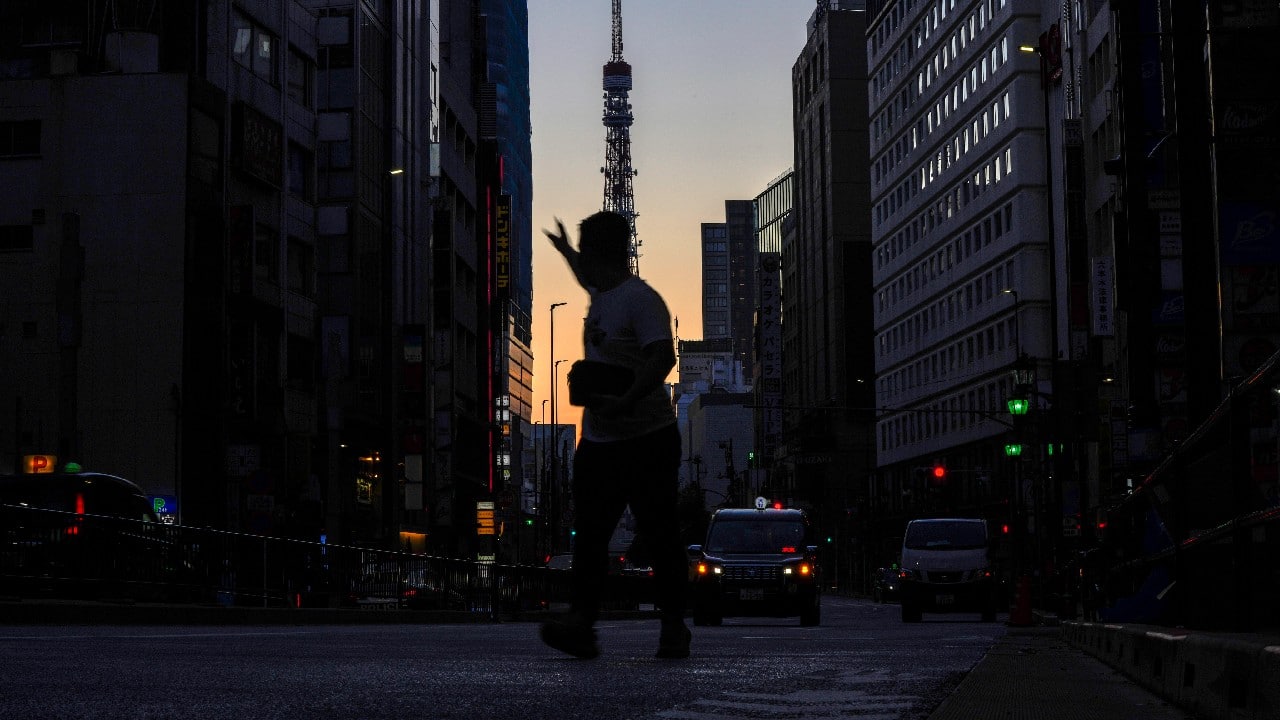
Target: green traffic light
column 1018, row 406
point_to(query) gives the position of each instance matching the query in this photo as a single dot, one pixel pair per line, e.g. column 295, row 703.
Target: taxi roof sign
column 38, row 464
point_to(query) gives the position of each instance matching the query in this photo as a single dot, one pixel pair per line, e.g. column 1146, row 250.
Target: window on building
column 266, row 254
column 300, row 362
column 301, row 172
column 19, row 138
column 254, row 47
column 301, row 72
column 16, row 238
column 301, row 268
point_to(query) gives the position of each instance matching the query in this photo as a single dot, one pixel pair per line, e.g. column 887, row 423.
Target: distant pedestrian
column 629, row 453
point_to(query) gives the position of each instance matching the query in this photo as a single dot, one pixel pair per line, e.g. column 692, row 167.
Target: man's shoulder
column 639, row 286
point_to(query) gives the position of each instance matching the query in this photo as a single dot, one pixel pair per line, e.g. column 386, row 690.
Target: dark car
column 85, row 493
column 887, row 585
column 756, row 563
column 90, row 532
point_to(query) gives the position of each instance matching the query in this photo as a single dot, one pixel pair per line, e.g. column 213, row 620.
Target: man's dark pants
column 644, row 473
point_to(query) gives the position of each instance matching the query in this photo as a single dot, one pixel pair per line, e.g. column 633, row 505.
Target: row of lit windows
column 893, row 19
column 898, row 151
column 968, row 409
column 258, row 49
column 884, row 122
column 977, row 236
column 959, row 356
column 942, row 110
column 951, row 201
column 961, row 144
column 913, row 328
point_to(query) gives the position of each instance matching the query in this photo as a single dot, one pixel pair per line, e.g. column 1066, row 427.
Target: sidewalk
column 1032, row 673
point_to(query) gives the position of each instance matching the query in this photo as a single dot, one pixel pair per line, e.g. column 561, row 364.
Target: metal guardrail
column 49, row 553
column 1196, row 543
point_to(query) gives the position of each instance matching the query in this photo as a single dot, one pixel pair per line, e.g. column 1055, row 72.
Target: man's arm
column 560, row 241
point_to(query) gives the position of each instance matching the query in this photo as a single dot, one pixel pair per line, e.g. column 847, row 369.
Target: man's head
column 604, row 241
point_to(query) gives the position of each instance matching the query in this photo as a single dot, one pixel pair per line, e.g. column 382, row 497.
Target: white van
column 946, row 567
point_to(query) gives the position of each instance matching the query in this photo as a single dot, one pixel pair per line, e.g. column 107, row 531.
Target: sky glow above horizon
column 711, row 98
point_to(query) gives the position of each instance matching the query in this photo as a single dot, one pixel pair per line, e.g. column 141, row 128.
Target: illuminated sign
column 484, row 518
column 502, row 248
column 32, row 464
column 166, row 507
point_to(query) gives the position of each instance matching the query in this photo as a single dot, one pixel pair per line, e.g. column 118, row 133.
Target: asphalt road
column 862, row 662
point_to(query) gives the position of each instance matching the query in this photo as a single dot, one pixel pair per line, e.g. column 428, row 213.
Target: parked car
column 946, row 567
column 886, row 585
column 562, row 561
column 756, row 563
column 89, row 533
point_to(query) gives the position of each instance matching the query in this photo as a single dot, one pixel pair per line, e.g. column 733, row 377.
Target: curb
column 1217, row 676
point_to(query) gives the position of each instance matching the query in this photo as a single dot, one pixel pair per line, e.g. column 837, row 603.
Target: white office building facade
column 960, row 224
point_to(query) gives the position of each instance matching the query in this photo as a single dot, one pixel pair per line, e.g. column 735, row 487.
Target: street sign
column 484, row 518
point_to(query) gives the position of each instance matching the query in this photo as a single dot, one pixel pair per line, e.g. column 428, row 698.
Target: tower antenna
column 619, row 193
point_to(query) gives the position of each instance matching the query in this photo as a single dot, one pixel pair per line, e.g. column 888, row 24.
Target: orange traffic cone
column 1020, row 613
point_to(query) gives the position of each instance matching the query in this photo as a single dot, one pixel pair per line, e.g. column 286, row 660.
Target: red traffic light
column 939, row 471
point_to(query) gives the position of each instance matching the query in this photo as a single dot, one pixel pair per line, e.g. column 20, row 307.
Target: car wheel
column 910, row 614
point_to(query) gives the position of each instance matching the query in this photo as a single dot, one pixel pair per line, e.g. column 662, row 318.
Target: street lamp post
column 555, row 435
column 552, row 362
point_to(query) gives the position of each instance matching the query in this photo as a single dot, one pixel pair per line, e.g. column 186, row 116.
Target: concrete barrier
column 1216, row 676
column 1266, row 698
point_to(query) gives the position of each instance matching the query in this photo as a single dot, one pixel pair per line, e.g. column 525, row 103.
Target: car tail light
column 75, row 528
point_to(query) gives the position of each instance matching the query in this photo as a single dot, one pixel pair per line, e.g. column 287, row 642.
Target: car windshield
column 755, row 536
column 942, row 535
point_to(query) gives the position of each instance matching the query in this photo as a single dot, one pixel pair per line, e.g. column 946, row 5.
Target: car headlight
column 802, row 570
column 706, row 569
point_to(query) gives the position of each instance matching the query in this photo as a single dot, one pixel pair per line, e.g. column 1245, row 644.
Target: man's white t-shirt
column 620, row 322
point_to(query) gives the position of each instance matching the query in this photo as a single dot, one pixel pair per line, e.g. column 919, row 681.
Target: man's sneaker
column 673, row 643
column 570, row 637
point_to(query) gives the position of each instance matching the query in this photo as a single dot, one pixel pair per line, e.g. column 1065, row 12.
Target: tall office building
column 774, row 221
column 826, row 458
column 715, row 281
column 467, row 317
column 505, row 104
column 964, row 269
column 728, row 280
column 303, row 237
column 160, row 250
